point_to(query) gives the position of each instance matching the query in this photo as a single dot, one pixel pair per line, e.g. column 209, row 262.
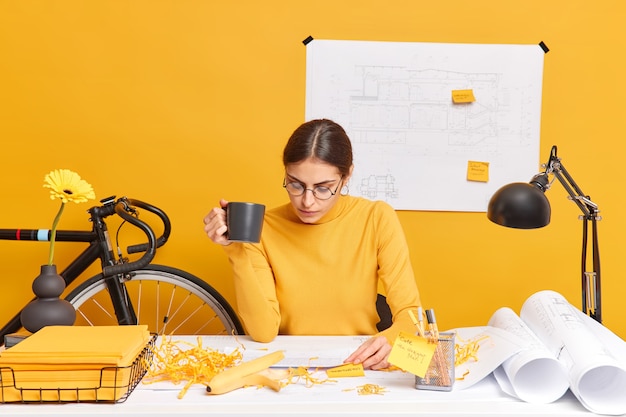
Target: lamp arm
column 584, row 203
column 591, row 283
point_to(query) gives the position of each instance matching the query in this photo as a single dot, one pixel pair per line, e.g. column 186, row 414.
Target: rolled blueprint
column 533, row 374
column 597, row 375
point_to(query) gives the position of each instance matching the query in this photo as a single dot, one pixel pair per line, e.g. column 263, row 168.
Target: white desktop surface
column 334, row 398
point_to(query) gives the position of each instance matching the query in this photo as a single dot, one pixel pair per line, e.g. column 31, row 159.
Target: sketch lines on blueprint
column 412, row 144
column 378, row 187
column 410, row 111
column 397, row 106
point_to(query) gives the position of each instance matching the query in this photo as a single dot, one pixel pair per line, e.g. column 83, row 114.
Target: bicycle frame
column 100, row 248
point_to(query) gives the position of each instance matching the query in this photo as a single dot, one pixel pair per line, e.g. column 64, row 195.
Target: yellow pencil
column 416, row 322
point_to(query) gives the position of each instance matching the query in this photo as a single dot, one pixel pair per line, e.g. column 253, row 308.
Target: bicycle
column 169, row 300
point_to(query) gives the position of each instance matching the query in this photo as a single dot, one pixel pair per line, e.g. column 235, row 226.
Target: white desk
column 338, row 398
column 484, row 399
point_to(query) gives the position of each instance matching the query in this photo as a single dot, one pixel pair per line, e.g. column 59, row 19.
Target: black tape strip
column 544, row 47
column 307, row 40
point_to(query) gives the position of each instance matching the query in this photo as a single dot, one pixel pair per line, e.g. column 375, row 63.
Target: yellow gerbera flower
column 67, row 186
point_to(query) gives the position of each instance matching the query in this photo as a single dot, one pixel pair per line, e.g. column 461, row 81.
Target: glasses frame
column 312, row 190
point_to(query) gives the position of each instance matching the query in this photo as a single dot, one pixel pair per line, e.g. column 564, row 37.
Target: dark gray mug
column 244, row 221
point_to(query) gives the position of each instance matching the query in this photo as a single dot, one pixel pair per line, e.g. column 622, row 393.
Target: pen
column 440, row 359
column 416, row 323
column 432, row 323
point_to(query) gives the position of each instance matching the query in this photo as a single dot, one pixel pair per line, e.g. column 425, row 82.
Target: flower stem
column 53, row 233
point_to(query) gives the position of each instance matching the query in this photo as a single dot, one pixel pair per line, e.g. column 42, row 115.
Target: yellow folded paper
column 72, row 363
column 112, row 345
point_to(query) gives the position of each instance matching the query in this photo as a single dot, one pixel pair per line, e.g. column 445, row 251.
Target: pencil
column 420, row 315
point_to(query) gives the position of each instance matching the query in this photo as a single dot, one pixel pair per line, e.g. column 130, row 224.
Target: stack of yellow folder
column 71, row 363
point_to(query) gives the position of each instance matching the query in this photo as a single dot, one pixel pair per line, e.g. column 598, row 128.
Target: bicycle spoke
column 138, row 303
column 166, row 317
column 206, row 324
column 188, row 318
column 173, row 315
column 100, row 307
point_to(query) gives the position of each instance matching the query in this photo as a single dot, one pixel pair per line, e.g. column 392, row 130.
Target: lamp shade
column 519, row 205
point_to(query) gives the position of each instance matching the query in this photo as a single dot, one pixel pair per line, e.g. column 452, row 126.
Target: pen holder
column 440, row 373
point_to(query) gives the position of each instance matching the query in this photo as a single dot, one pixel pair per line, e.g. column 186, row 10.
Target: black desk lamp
column 525, row 206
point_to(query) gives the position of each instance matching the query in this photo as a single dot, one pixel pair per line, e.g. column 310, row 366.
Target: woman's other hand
column 215, row 224
column 373, row 353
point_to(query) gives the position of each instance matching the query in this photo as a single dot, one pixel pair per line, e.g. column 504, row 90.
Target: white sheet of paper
column 498, row 346
column 309, row 351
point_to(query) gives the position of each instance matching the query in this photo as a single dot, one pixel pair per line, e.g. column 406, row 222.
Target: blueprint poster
column 414, row 145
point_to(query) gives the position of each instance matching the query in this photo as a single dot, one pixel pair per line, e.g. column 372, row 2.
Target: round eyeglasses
column 297, row 189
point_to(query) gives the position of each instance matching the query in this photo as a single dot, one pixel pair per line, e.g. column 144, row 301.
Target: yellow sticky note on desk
column 478, row 171
column 463, row 96
column 349, row 369
column 412, row 353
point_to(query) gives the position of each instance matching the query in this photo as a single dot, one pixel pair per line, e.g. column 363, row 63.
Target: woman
column 317, row 268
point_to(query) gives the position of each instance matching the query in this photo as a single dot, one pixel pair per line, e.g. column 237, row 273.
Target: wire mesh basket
column 111, row 384
column 440, row 373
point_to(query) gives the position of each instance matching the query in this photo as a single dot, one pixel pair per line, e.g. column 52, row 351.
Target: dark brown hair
column 322, row 139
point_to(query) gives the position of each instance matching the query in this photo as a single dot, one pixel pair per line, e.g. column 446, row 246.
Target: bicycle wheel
column 170, row 301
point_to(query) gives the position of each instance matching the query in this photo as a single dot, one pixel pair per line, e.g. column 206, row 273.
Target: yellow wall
column 181, row 102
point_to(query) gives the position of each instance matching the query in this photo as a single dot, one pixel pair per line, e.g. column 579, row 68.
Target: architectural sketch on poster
column 413, row 145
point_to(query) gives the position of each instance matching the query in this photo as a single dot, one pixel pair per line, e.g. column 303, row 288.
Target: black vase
column 48, row 309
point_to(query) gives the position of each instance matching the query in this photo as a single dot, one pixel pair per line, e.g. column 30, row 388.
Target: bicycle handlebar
column 123, row 208
column 167, row 227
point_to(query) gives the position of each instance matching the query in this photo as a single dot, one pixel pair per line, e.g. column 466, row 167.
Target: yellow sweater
column 322, row 278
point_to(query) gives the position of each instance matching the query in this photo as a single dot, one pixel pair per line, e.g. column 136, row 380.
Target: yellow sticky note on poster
column 349, row 369
column 478, row 171
column 412, row 353
column 463, row 96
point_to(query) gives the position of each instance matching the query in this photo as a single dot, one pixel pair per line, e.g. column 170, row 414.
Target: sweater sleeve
column 396, row 273
column 255, row 291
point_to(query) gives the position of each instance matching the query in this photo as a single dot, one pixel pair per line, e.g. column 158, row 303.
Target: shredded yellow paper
column 462, row 377
column 370, row 389
column 466, row 351
column 391, row 368
column 295, row 375
column 178, row 361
